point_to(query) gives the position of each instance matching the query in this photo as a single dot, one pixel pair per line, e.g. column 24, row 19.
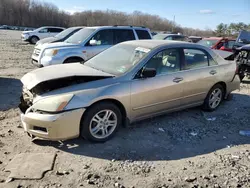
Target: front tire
column 34, row 39
column 100, row 122
column 214, row 98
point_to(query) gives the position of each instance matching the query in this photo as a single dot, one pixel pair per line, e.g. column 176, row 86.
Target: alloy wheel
column 103, row 124
column 215, row 98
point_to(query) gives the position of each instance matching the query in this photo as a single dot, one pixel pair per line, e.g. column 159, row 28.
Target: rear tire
column 214, row 98
column 34, row 39
column 100, row 122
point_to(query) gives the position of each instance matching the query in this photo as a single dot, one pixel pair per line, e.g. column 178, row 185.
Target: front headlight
column 53, row 104
column 50, row 52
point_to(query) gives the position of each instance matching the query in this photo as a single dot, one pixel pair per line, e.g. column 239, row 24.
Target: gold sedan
column 128, row 82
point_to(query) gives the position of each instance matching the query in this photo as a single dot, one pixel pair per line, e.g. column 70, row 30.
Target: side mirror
column 222, row 48
column 93, row 42
column 148, row 73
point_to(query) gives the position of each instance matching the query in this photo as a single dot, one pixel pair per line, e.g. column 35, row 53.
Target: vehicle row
column 78, row 44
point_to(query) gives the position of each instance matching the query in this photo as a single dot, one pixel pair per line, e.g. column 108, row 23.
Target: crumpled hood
column 37, row 76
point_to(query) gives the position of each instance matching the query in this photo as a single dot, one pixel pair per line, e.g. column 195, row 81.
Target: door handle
column 213, row 72
column 177, row 80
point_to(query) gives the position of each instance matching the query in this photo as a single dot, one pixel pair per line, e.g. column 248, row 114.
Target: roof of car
column 157, row 43
column 213, row 38
column 195, row 37
column 218, row 38
column 169, row 34
column 51, row 27
column 114, row 26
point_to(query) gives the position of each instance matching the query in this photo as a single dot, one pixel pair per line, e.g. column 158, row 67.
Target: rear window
column 121, row 35
column 195, row 58
column 208, row 42
column 143, row 34
column 180, row 38
column 55, row 30
column 229, row 44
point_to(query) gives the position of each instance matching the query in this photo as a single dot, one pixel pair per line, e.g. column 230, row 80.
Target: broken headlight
column 53, row 104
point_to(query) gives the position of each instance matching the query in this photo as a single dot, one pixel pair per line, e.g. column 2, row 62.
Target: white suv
column 86, row 43
column 40, row 33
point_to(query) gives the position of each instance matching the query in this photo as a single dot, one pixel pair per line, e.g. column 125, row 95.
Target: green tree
column 221, row 30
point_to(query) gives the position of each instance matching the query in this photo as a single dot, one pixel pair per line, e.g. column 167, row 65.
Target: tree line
column 34, row 13
column 223, row 30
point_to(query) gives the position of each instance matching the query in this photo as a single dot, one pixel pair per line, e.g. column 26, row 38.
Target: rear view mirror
column 93, row 42
column 148, row 73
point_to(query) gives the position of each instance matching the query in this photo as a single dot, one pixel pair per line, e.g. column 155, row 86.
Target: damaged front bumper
column 50, row 126
column 62, row 126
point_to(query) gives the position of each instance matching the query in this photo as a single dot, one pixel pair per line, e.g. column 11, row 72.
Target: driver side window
column 165, row 62
column 45, row 30
column 103, row 37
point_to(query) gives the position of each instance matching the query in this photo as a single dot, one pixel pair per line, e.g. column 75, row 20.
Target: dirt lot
column 184, row 149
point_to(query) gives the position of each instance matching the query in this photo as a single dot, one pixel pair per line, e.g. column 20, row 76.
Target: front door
column 44, row 33
column 104, row 39
column 150, row 96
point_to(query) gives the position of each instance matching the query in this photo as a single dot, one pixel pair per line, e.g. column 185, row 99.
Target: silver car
column 86, row 43
column 128, row 82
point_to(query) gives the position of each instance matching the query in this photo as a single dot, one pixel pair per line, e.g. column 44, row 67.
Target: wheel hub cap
column 103, row 124
column 215, row 98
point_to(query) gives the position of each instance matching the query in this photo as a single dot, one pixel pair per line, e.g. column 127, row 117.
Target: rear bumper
column 234, row 84
column 61, row 126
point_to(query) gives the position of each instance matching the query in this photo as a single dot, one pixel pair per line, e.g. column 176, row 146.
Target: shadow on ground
column 10, row 92
column 174, row 136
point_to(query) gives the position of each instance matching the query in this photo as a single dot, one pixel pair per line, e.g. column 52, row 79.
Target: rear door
column 199, row 73
column 122, row 35
column 104, row 40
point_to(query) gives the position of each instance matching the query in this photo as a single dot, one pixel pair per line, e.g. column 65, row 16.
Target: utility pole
column 173, row 25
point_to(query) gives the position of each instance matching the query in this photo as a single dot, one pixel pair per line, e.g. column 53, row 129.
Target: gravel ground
column 183, row 149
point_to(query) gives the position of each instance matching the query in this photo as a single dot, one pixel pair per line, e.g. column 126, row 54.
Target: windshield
column 118, row 59
column 159, row 37
column 66, row 32
column 208, row 42
column 244, row 37
column 80, row 36
column 38, row 29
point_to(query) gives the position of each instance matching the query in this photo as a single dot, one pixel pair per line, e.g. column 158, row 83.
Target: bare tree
column 35, row 13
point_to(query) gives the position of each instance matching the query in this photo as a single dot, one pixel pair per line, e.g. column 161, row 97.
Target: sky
column 201, row 14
